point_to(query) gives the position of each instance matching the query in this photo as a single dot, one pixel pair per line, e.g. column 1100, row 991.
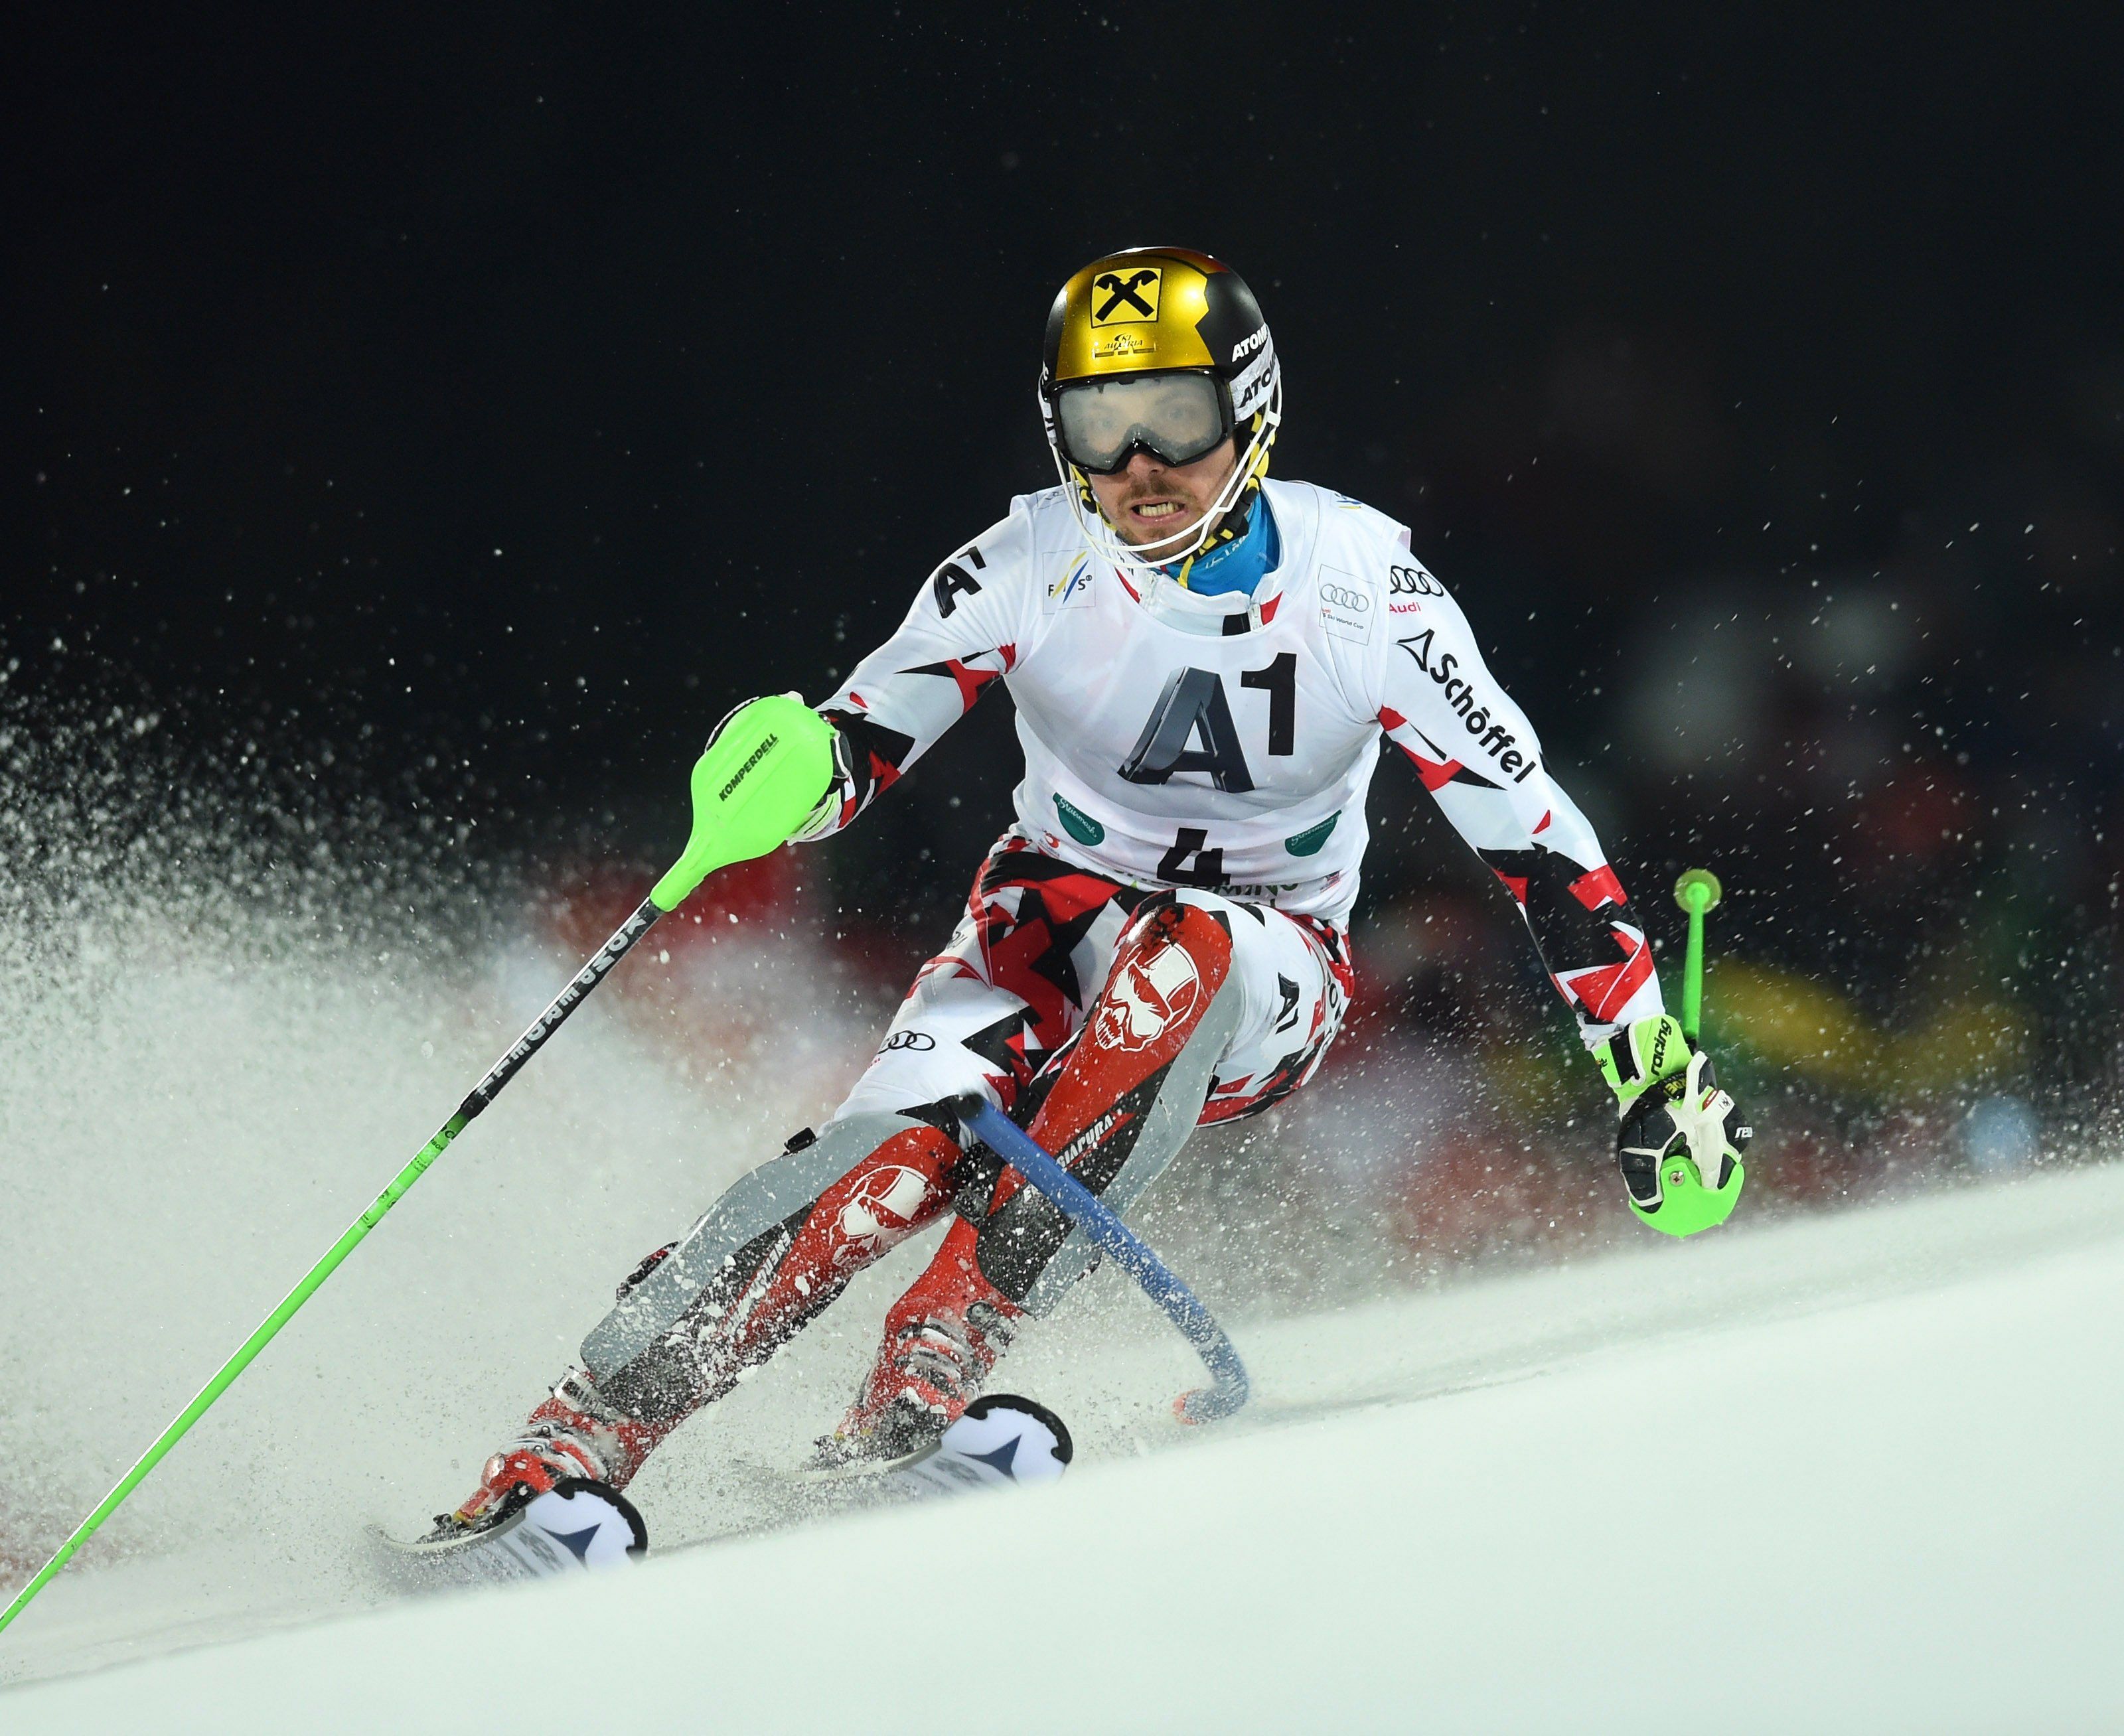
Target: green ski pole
column 760, row 778
column 1697, row 892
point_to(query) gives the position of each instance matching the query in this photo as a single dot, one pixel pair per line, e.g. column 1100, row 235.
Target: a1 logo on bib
column 1125, row 298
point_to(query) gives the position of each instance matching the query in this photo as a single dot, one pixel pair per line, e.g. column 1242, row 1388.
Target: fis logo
column 1124, row 298
column 1073, row 587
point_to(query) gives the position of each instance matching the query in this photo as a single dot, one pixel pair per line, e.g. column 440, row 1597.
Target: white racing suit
column 1189, row 833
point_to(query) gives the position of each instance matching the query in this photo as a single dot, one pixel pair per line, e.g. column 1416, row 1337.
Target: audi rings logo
column 1412, row 581
column 1356, row 601
column 919, row 1041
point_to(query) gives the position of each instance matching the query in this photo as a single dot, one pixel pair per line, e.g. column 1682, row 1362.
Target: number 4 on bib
column 1188, row 864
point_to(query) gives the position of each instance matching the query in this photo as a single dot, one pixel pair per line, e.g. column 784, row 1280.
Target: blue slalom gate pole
column 1081, row 1206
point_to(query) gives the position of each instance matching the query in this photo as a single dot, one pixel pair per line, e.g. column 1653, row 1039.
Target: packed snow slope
column 1852, row 1473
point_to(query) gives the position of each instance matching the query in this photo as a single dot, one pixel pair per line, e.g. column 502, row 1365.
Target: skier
column 1203, row 662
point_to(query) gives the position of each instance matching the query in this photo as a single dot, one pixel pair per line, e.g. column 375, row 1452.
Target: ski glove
column 841, row 796
column 1681, row 1160
column 820, row 819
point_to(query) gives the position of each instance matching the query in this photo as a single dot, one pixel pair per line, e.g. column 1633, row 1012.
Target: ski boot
column 574, row 1433
column 941, row 1339
column 550, row 1500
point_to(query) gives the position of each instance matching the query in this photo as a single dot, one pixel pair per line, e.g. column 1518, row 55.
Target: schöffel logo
column 1356, row 601
column 745, row 771
column 1492, row 737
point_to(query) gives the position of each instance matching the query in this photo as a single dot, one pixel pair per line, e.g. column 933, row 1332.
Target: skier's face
column 1152, row 501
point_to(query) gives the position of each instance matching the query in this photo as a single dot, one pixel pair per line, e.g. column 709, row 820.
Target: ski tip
column 997, row 1442
column 575, row 1525
column 410, row 1563
column 1008, row 1407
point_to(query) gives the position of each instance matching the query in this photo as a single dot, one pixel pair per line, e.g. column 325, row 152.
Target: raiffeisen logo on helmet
column 1125, row 298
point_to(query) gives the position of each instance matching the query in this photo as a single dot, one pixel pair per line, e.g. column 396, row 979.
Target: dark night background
column 493, row 398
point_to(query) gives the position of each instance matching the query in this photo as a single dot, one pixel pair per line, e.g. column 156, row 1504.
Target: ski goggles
column 1176, row 418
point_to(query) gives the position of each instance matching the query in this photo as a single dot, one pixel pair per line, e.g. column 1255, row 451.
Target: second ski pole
column 1230, row 1388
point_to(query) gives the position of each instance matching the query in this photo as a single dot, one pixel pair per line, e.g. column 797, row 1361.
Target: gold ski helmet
column 1164, row 350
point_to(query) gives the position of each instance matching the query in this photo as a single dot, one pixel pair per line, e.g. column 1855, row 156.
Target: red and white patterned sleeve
column 1480, row 759
column 969, row 625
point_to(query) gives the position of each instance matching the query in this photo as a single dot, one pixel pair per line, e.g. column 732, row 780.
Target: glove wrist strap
column 1642, row 1055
